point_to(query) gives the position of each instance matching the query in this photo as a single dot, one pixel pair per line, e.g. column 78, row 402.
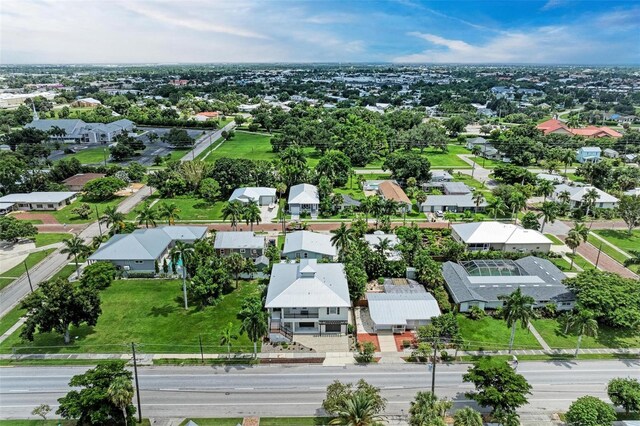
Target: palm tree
column 384, row 244
column 342, row 238
column 181, row 252
column 120, row 393
column 478, row 198
column 517, row 307
column 113, row 219
column 564, row 197
column 568, row 156
column 421, row 197
column 517, row 201
column 97, row 241
column 236, row 264
column 227, row 337
column 498, row 207
column 281, row 188
column 358, row 410
column 573, row 241
column 255, row 322
column 582, row 230
column 147, row 215
column 75, row 247
column 427, row 409
column 585, row 324
column 467, row 417
column 549, row 211
column 169, row 211
column 251, row 213
column 545, row 188
column 366, row 206
column 507, row 418
column 232, row 211
column 589, row 199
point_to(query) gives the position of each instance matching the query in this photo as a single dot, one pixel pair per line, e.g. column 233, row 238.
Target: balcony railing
column 286, row 315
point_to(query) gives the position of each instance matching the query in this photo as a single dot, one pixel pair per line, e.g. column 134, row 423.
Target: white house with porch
column 307, row 298
column 304, row 198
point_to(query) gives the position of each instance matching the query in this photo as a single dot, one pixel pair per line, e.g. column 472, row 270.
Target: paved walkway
column 539, row 338
column 387, row 342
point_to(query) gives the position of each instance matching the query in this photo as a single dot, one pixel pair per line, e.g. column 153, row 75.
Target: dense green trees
column 427, row 410
column 178, row 138
column 12, row 229
column 104, row 396
column 410, row 164
column 352, row 405
column 590, row 411
column 58, row 305
column 625, row 393
column 103, row 188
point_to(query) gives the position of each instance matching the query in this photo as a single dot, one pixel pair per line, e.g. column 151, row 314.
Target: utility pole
column 28, row 276
column 135, row 373
column 598, row 258
column 98, row 217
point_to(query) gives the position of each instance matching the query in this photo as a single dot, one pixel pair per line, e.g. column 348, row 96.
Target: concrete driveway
column 323, row 344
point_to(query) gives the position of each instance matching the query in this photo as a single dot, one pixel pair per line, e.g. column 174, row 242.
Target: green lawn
column 486, row 163
column 37, row 422
column 177, row 154
column 621, row 239
column 31, row 260
column 563, row 265
column 44, row 239
column 91, row 155
column 151, row 313
column 554, row 240
column 493, row 334
column 65, row 215
column 450, row 159
column 191, row 208
column 243, row 145
column 611, row 252
column 65, row 272
column 553, row 333
column 469, row 181
column 581, row 261
column 8, row 321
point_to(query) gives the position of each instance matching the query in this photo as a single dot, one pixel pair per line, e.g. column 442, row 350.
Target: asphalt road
column 205, row 142
column 299, row 390
column 11, row 295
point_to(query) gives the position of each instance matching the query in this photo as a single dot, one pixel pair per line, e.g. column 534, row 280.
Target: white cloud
column 552, row 4
column 331, row 18
column 550, row 44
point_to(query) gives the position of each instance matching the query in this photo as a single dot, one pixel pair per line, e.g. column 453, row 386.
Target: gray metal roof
column 309, row 241
column 308, row 284
column 465, row 200
column 304, row 193
column 536, row 277
column 577, row 192
column 398, row 308
column 69, row 125
column 251, row 193
column 238, row 240
column 37, row 197
column 375, row 238
column 146, row 244
column 455, row 188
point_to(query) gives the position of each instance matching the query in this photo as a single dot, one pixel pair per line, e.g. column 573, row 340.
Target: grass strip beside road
column 46, row 238
column 31, row 260
column 489, row 333
column 553, row 333
column 554, row 240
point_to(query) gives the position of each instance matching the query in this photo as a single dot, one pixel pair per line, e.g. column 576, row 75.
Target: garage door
column 333, row 328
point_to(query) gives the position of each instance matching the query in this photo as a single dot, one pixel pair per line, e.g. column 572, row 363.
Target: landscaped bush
column 365, row 352
column 475, row 313
column 134, row 274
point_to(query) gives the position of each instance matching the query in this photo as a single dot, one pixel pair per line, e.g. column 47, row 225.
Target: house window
column 241, row 250
column 306, row 255
column 333, row 311
column 50, row 206
column 139, row 262
column 38, row 206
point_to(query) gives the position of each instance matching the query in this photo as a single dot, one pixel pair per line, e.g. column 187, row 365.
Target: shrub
column 365, row 352
column 406, row 343
column 590, row 411
column 475, row 313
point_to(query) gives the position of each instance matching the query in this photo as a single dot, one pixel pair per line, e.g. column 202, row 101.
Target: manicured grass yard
column 151, row 313
column 192, row 208
column 563, row 265
column 65, row 215
column 44, row 239
column 613, row 253
column 450, row 159
column 243, row 145
column 581, row 261
column 488, row 164
column 8, row 321
column 177, row 154
column 91, row 155
column 493, row 334
column 15, row 272
column 554, row 240
column 553, row 333
column 621, row 239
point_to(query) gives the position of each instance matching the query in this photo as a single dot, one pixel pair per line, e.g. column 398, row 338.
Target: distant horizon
column 400, row 32
column 344, row 63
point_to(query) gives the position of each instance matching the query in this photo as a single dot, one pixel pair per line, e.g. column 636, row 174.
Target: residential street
column 205, row 142
column 298, row 390
column 12, row 294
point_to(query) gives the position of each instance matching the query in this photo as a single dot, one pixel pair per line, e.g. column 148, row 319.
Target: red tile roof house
column 77, row 182
column 207, row 115
column 558, row 127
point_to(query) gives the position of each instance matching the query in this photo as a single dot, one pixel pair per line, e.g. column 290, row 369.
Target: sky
column 594, row 32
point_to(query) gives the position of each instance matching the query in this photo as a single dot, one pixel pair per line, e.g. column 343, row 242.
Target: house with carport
column 260, row 195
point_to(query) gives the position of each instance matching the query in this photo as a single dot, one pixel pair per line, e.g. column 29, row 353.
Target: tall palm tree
column 589, row 199
column 182, row 252
column 227, row 337
column 236, row 264
column 366, row 206
column 573, row 241
column 113, row 219
column 147, row 215
column 497, row 206
column 564, row 197
column 358, row 410
column 384, row 244
column 97, row 241
column 478, row 198
column 342, row 238
column 517, row 200
column 169, row 211
column 427, row 409
column 251, row 213
column 467, row 417
column 517, row 307
column 75, row 247
column 549, row 212
column 585, row 324
column 568, row 157
column 120, row 393
column 281, row 188
column 255, row 322
column 582, row 230
column 545, row 188
column 233, row 212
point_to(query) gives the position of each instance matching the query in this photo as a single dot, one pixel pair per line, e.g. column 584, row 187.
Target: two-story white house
column 307, row 298
column 303, row 198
